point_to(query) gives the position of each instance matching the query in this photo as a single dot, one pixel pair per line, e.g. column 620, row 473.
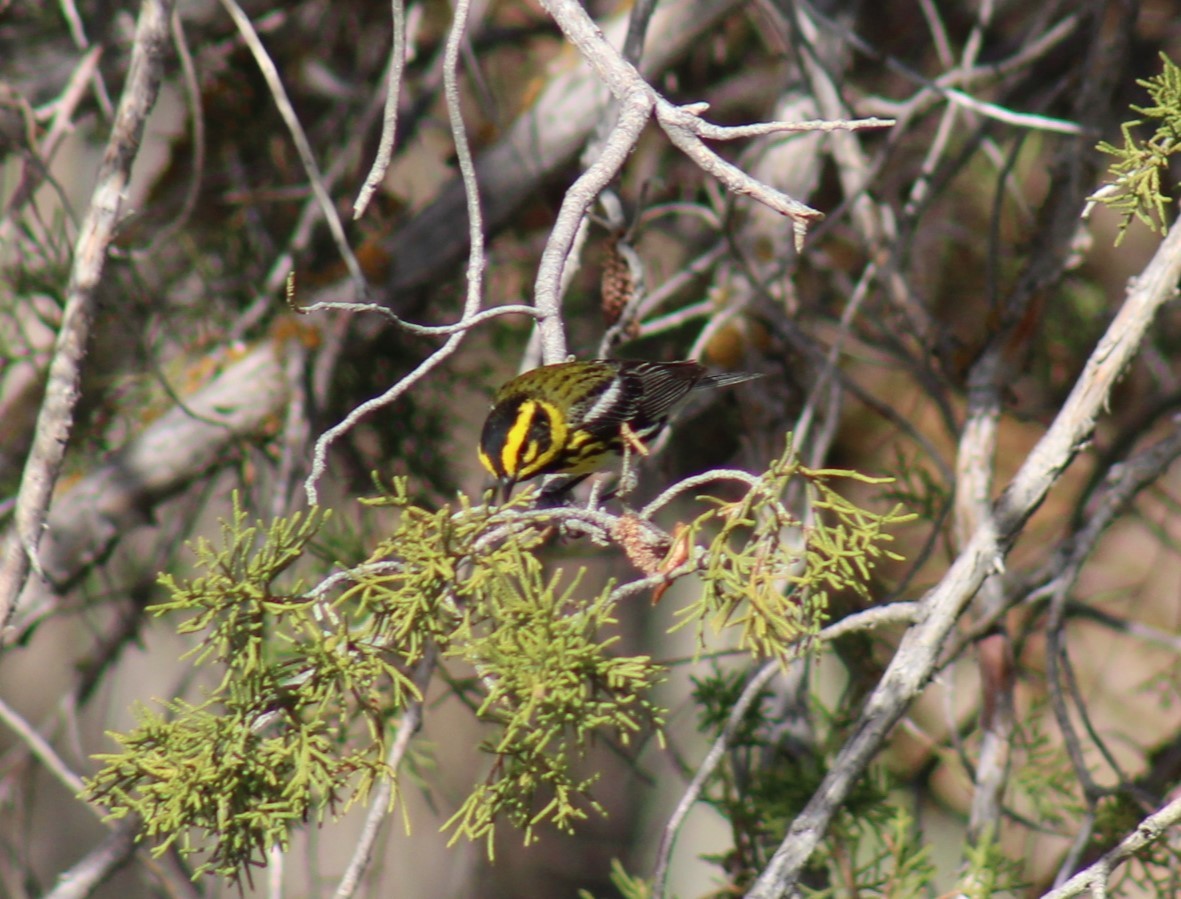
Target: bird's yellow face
column 521, row 437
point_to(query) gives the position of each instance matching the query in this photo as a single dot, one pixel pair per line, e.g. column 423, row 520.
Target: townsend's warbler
column 575, row 417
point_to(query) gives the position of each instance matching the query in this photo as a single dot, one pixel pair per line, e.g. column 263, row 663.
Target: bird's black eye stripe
column 538, row 436
column 500, row 423
column 519, row 438
column 540, row 427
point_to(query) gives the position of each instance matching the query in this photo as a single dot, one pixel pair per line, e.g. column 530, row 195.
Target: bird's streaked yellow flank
column 576, row 417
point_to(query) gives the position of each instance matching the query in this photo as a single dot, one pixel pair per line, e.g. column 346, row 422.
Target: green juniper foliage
column 761, row 554
column 312, row 683
column 1136, row 191
column 888, row 857
column 272, row 745
column 989, row 870
column 766, row 780
column 543, row 654
column 629, row 886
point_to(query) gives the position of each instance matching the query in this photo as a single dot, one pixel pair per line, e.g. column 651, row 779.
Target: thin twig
column 708, row 131
column 295, row 437
column 380, row 801
column 673, row 320
column 1055, row 656
column 56, row 417
column 1147, row 832
column 44, row 753
column 307, row 158
column 475, row 267
column 737, row 714
column 82, row 42
column 44, row 150
column 1078, row 847
column 463, row 153
column 422, row 330
column 691, row 483
column 82, row 878
column 1032, row 121
column 389, row 122
column 197, row 119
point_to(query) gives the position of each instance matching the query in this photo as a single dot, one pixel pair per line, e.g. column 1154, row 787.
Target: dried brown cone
column 618, row 284
column 644, row 546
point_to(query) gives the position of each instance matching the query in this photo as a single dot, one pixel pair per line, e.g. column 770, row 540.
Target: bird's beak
column 506, row 488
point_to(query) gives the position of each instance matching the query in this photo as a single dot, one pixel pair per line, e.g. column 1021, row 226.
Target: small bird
column 576, row 417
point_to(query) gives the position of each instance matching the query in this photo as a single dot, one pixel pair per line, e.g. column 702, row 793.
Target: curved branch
column 389, row 121
column 539, row 142
column 1094, row 878
column 633, row 115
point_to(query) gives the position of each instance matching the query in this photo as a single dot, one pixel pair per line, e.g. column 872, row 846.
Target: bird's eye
column 540, row 426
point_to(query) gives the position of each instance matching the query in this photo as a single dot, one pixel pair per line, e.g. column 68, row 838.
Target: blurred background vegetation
column 953, row 237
